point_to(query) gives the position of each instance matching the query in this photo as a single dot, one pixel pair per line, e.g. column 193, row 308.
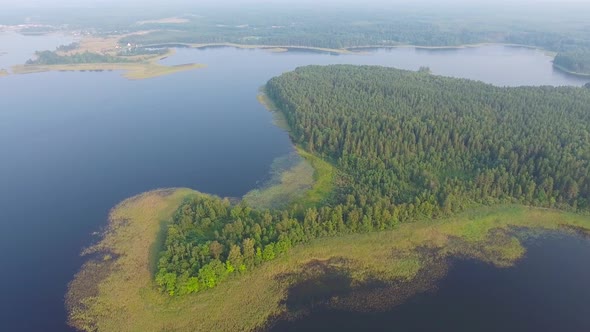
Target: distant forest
column 562, row 28
column 407, row 146
column 348, row 29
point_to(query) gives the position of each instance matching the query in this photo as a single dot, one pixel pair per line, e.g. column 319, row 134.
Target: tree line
column 577, row 61
column 53, row 58
column 407, row 145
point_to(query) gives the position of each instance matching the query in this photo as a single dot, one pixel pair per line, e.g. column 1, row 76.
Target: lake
column 73, row 145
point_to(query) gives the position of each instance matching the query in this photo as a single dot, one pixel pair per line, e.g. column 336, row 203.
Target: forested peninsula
column 422, row 163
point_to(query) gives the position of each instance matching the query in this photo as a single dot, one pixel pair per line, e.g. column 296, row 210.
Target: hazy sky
column 195, row 3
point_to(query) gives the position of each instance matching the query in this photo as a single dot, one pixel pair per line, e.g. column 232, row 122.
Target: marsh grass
column 323, row 176
column 299, row 178
column 119, row 294
column 292, row 176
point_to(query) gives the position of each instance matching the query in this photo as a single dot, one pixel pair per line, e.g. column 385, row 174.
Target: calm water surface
column 73, row 145
column 545, row 292
column 15, row 48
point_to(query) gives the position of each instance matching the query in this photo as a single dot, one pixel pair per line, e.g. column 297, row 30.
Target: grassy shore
column 286, row 186
column 3, row 72
column 115, row 291
column 309, row 182
column 323, row 179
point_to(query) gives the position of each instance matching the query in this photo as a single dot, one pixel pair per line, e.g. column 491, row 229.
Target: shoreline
column 116, row 291
column 347, row 50
column 272, row 48
column 147, row 68
column 130, row 71
column 366, row 49
column 569, row 72
column 324, row 172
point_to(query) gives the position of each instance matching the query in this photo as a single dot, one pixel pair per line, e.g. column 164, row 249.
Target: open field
column 116, row 292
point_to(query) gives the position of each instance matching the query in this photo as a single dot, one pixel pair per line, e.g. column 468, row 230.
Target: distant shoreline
column 569, row 72
column 274, row 48
column 359, row 50
column 345, row 50
column 134, row 70
column 364, row 49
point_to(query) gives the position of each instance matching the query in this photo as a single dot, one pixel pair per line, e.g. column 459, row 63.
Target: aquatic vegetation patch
column 291, row 177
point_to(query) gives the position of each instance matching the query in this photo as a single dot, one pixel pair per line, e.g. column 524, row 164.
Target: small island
column 104, row 54
column 409, row 169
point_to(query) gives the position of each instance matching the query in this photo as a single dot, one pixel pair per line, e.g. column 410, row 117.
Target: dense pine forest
column 407, row 146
